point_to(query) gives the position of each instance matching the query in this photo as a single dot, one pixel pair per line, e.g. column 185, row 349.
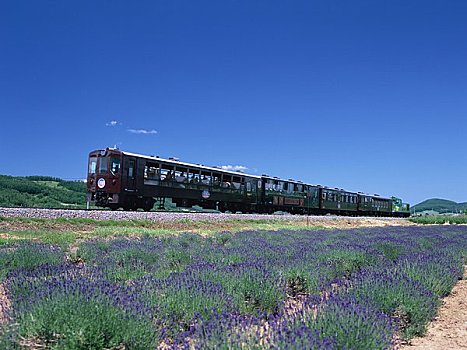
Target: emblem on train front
column 205, row 194
column 101, row 183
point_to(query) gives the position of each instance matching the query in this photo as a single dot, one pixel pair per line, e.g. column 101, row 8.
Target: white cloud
column 112, row 123
column 239, row 168
column 142, row 131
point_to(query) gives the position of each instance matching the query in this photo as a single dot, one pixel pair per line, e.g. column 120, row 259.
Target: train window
column 193, row 176
column 216, row 179
column 269, row 185
column 131, row 168
column 151, row 171
column 115, row 165
column 92, row 165
column 206, row 177
column 249, row 185
column 103, row 165
column 181, row 174
column 226, row 180
column 236, row 182
column 260, row 183
column 242, row 184
column 290, row 187
column 167, row 172
column 282, row 186
column 300, row 188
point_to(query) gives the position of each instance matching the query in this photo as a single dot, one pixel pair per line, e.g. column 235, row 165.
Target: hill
column 41, row 192
column 440, row 205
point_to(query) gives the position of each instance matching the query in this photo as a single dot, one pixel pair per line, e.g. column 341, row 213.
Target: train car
column 374, row 205
column 118, row 179
column 283, row 195
column 399, row 208
column 337, row 201
column 131, row 181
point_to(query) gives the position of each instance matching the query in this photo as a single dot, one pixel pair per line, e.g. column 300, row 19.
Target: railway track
column 177, row 216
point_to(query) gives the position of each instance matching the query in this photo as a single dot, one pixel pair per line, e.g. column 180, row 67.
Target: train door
column 129, row 174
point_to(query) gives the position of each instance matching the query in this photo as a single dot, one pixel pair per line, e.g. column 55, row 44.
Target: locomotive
column 118, row 179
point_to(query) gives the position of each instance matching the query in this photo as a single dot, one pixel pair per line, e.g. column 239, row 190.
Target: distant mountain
column 41, row 192
column 440, row 205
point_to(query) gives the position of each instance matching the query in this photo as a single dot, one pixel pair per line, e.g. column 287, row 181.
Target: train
column 123, row 180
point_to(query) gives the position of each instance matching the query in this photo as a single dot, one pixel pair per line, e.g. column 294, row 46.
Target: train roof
column 191, row 165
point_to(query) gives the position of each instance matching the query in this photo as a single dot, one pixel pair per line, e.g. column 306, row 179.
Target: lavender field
column 315, row 289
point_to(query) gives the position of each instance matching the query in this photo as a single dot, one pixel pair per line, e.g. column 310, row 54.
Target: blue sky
column 366, row 95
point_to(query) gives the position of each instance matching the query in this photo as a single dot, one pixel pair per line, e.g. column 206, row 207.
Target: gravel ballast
column 176, row 216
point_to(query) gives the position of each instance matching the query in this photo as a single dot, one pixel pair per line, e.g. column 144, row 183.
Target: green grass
column 62, row 239
column 66, row 231
column 439, row 220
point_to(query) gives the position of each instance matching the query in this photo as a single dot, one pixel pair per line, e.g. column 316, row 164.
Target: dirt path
column 4, row 304
column 449, row 328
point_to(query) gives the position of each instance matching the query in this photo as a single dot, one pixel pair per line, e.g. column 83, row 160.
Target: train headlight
column 101, row 183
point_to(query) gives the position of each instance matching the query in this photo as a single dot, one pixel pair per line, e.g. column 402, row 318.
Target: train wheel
column 148, row 204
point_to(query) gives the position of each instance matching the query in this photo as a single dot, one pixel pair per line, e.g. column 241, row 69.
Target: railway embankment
column 328, row 221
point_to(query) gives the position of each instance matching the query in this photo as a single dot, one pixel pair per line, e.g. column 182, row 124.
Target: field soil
column 4, row 304
column 449, row 328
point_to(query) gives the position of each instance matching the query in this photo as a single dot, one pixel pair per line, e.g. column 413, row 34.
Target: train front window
column 115, row 165
column 103, row 165
column 92, row 165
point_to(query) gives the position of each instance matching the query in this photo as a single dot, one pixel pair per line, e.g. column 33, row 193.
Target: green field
column 41, row 192
column 440, row 219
